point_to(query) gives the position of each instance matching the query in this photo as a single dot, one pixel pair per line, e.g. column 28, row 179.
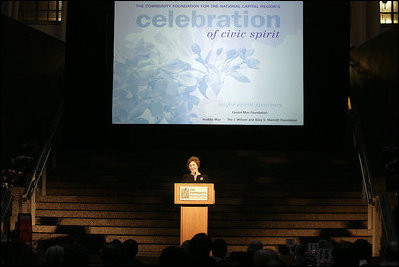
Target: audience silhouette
column 197, row 252
column 130, row 248
column 219, row 251
column 200, row 248
column 174, row 256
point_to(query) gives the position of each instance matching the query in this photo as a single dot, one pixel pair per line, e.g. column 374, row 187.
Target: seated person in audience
column 364, row 251
column 200, row 248
column 130, row 249
column 219, row 251
column 254, row 246
column 110, row 254
column 266, row 257
column 193, row 164
column 76, row 254
column 390, row 254
column 54, row 256
column 174, row 256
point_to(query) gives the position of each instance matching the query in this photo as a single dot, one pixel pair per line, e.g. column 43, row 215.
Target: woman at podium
column 193, row 164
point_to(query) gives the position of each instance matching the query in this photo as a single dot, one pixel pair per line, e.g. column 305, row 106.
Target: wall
column 32, row 83
column 374, row 89
column 365, row 21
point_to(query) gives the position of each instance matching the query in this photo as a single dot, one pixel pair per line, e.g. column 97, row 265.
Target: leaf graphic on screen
column 196, row 49
column 146, row 94
column 176, row 66
column 167, row 108
column 187, row 78
column 236, row 67
column 239, row 76
column 190, row 89
column 160, row 38
column 153, row 86
column 215, row 81
column 231, row 54
column 252, row 63
column 156, row 110
column 200, row 60
column 142, row 121
column 242, row 53
column 203, row 86
column 119, row 114
column 120, row 93
column 193, row 99
column 208, row 56
column 249, row 53
column 137, row 110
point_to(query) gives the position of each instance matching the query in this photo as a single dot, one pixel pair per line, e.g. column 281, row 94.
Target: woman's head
column 193, row 164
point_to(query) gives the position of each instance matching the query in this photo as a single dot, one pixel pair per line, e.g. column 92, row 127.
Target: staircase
column 260, row 195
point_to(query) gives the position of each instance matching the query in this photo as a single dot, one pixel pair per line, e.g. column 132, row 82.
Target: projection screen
column 209, row 63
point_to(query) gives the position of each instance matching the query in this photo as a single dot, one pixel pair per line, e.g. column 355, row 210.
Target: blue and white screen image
column 208, row 62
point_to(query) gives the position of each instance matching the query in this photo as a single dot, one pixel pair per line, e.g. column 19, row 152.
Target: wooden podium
column 193, row 198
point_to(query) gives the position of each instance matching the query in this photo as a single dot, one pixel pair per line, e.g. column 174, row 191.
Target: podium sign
column 193, row 193
column 193, row 212
column 190, row 193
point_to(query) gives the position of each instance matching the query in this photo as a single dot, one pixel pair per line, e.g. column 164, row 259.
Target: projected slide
column 208, row 62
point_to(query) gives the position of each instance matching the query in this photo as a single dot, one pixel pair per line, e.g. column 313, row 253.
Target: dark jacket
column 188, row 178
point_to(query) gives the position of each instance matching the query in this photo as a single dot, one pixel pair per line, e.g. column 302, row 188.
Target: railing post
column 364, row 192
column 33, row 207
column 44, row 182
column 374, row 233
column 370, row 215
column 16, row 206
column 377, row 229
column 26, row 205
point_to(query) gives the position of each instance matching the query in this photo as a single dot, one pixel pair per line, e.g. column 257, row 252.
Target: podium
column 194, row 199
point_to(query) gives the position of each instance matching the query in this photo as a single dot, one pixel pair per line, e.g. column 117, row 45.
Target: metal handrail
column 388, row 225
column 361, row 151
column 41, row 162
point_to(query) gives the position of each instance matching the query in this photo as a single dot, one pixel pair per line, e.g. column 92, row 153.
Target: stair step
column 107, row 230
column 284, row 232
column 217, row 208
column 117, row 222
column 108, row 214
column 269, row 196
column 99, row 168
column 289, row 216
column 215, row 224
column 127, row 191
column 219, row 200
column 131, row 187
column 245, row 175
column 172, row 232
column 114, row 182
column 282, row 240
column 225, row 191
column 212, row 216
column 167, row 240
column 308, row 224
column 276, row 160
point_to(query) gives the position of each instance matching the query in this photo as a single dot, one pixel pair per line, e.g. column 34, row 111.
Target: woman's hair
column 195, row 159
